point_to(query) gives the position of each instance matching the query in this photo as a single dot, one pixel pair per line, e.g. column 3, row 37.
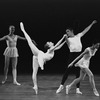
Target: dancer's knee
column 91, row 77
column 33, row 77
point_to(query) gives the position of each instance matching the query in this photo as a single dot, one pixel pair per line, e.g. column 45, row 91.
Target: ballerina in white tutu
column 11, row 53
column 39, row 57
column 83, row 62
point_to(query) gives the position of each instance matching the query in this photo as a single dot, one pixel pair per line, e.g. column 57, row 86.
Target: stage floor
column 48, row 85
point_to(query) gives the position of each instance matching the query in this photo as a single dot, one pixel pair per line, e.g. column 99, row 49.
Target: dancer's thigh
column 88, row 71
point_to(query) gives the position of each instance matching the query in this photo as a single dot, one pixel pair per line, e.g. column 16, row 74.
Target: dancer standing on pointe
column 39, row 57
column 83, row 61
column 11, row 53
column 75, row 47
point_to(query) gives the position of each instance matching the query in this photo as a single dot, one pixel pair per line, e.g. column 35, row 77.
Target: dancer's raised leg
column 34, row 49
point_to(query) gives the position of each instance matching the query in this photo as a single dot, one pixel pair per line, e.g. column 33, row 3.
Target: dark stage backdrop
column 47, row 20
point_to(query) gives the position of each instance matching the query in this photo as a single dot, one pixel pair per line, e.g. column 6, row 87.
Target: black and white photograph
column 49, row 49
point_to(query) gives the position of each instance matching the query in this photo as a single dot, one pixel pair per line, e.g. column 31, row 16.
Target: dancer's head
column 12, row 29
column 49, row 44
column 94, row 47
column 69, row 32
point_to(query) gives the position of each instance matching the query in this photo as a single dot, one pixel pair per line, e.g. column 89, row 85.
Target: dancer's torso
column 75, row 44
column 48, row 55
column 11, row 41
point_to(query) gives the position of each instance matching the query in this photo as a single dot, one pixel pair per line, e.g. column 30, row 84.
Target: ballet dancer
column 75, row 47
column 11, row 53
column 83, row 61
column 39, row 57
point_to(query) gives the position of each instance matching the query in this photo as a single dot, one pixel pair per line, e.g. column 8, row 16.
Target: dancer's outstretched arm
column 34, row 49
column 82, row 54
column 88, row 28
column 22, row 38
column 58, row 43
column 3, row 38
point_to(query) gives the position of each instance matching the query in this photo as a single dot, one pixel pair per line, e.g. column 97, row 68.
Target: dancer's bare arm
column 87, row 28
column 58, row 43
column 22, row 38
column 3, row 38
column 82, row 54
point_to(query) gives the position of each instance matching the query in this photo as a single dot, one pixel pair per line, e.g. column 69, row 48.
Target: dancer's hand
column 65, row 35
column 94, row 22
column 22, row 26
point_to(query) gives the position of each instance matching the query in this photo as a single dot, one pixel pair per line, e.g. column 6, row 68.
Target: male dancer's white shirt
column 75, row 44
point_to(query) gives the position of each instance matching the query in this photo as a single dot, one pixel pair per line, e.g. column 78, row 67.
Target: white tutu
column 41, row 59
column 11, row 52
column 82, row 63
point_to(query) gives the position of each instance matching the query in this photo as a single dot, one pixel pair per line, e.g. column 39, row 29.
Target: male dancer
column 75, row 47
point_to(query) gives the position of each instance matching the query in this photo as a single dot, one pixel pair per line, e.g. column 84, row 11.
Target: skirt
column 41, row 59
column 82, row 63
column 11, row 52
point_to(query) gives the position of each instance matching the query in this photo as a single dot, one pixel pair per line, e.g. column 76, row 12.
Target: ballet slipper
column 61, row 87
column 3, row 82
column 16, row 83
column 96, row 93
column 36, row 89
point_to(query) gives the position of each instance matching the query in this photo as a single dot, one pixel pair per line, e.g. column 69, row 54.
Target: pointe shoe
column 78, row 91
column 61, row 87
column 67, row 89
column 42, row 68
column 96, row 93
column 36, row 89
column 3, row 82
column 16, row 83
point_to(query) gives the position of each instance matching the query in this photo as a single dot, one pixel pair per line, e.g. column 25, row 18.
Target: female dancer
column 39, row 57
column 75, row 47
column 11, row 53
column 83, row 63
